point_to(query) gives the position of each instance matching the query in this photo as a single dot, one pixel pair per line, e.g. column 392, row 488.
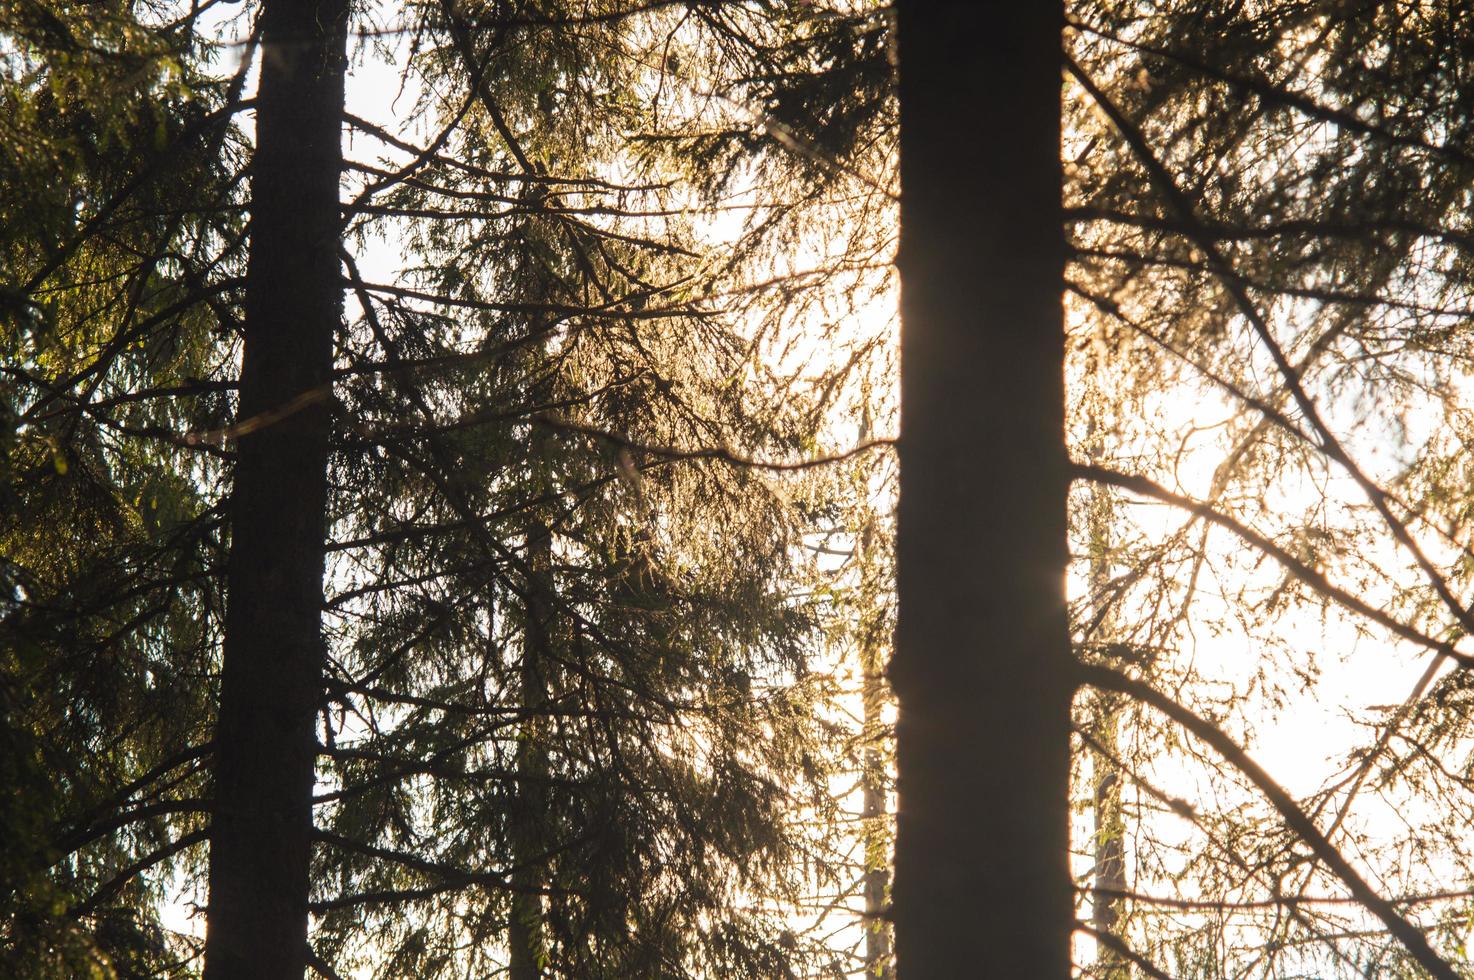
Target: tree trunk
column 271, row 679
column 873, row 780
column 1109, row 879
column 1110, row 859
column 982, row 666
column 873, row 812
column 524, row 924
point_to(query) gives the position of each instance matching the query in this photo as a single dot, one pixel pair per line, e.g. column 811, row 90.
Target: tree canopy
column 451, row 522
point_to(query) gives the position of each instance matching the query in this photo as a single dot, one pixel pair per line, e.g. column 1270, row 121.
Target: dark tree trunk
column 524, row 924
column 981, row 668
column 265, row 745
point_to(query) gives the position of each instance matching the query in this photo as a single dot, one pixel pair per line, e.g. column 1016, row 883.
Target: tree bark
column 271, row 676
column 524, row 923
column 981, row 668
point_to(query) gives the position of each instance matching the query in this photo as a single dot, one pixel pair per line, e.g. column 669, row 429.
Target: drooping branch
column 110, row 889
column 1302, row 572
column 1409, row 935
column 1118, row 946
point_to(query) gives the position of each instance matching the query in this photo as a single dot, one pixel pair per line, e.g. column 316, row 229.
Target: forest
column 703, row 489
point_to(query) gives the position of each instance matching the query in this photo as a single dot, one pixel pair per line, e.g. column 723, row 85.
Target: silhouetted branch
column 1409, row 935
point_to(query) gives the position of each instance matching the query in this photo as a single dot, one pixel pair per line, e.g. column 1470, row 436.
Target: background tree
column 119, row 231
column 1267, row 224
column 582, row 406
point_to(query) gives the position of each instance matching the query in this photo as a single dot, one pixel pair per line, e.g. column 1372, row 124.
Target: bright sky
column 1304, row 741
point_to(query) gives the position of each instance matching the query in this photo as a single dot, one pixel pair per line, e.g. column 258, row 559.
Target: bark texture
column 525, row 922
column 271, row 682
column 981, row 668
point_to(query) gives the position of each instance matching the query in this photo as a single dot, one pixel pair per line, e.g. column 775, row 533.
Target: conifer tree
column 1281, row 181
column 119, row 234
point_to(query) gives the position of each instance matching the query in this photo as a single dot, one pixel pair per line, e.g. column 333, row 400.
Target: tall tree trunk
column 873, row 789
column 1109, row 878
column 524, row 924
column 1110, row 857
column 271, row 682
column 873, row 812
column 982, row 667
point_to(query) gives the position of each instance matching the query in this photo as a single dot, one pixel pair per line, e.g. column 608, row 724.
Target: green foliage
column 116, row 207
column 576, row 690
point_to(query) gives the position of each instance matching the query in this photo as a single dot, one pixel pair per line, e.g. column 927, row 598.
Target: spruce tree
column 119, row 232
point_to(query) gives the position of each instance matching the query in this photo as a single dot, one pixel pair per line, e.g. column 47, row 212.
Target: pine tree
column 554, row 415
